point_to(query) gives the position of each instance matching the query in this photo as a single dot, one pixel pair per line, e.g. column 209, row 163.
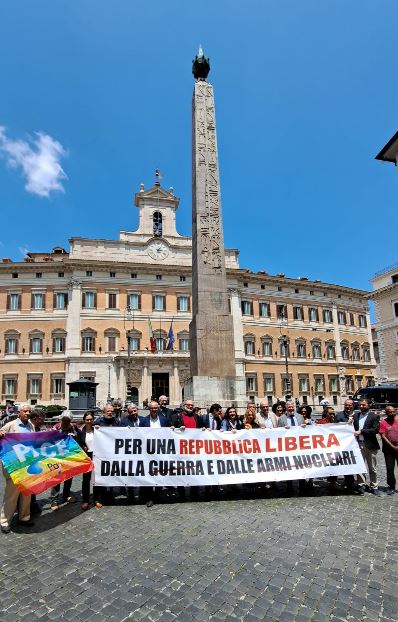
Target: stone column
column 72, row 347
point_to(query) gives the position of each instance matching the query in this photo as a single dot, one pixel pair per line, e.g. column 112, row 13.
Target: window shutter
column 30, row 345
column 189, row 303
column 93, row 340
column 8, row 305
column 153, row 303
column 139, row 302
column 83, row 299
column 95, row 300
column 54, row 300
column 32, row 301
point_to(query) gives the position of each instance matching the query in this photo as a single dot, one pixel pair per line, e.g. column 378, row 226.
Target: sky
column 96, row 95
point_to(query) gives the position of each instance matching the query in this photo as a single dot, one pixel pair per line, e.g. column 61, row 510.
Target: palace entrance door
column 160, row 385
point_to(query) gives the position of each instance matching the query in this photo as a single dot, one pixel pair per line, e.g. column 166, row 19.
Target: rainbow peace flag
column 36, row 461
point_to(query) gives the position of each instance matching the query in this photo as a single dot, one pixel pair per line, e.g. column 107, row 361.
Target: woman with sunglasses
column 87, row 436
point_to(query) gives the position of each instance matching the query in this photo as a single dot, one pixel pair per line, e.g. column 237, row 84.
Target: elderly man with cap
column 65, row 426
column 12, row 496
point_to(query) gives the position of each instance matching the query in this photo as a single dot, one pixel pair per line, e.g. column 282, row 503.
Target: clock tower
column 157, row 213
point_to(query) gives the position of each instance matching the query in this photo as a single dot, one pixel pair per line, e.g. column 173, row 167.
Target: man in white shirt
column 264, row 418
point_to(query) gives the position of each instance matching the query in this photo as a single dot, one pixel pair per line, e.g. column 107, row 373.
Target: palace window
column 112, row 300
column 301, row 349
column 88, row 340
column 89, row 300
column 330, row 351
column 13, row 302
column 345, row 352
column 333, row 384
column 250, row 346
column 319, row 384
column 298, row 312
column 133, row 340
column 265, row 309
column 313, row 315
column 352, row 319
column 36, row 342
column 303, row 383
column 341, row 317
column 57, row 385
column 281, row 312
column 11, row 341
column 355, row 352
column 10, row 386
column 269, row 383
column 37, row 300
column 266, row 343
column 11, row 345
column 247, row 307
column 183, row 345
column 160, row 339
column 316, row 350
column 366, row 353
column 284, row 349
column 362, row 321
column 34, row 385
column 111, row 336
column 251, row 383
column 327, row 316
column 158, row 302
column 183, row 303
column 59, row 341
column 60, row 300
column 134, row 301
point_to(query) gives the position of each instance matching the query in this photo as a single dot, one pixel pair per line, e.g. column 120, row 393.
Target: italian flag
column 151, row 338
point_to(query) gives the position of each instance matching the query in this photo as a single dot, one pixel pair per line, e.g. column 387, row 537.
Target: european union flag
column 170, row 342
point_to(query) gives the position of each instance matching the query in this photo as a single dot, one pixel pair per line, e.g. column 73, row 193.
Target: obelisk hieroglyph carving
column 211, row 329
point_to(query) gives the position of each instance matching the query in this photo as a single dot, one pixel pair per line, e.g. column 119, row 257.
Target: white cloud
column 23, row 250
column 39, row 159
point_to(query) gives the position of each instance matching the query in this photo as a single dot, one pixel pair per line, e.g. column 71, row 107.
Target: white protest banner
column 165, row 457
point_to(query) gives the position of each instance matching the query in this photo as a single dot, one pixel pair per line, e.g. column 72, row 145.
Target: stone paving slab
column 247, row 556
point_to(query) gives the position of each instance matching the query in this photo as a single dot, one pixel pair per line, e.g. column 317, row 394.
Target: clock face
column 158, row 250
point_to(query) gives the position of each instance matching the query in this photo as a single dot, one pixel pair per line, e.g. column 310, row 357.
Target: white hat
column 324, row 403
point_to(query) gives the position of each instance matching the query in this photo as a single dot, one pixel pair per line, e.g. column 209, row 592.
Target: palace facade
column 88, row 313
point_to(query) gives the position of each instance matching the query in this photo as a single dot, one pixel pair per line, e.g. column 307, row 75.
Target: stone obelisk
column 211, row 333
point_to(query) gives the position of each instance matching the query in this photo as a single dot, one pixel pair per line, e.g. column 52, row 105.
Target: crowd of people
column 366, row 426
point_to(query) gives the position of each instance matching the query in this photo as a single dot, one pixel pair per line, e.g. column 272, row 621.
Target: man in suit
column 288, row 420
column 264, row 418
column 148, row 494
column 11, row 494
column 164, row 410
column 366, row 426
column 132, row 420
column 155, row 419
column 213, row 419
column 346, row 416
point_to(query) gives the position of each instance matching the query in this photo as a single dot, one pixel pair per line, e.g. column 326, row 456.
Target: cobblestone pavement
column 247, row 556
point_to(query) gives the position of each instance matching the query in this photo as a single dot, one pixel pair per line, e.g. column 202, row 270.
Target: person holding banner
column 231, row 421
column 12, row 496
column 87, row 440
column 66, row 427
column 366, row 426
column 264, row 418
column 389, row 435
column 154, row 419
column 289, row 419
column 187, row 418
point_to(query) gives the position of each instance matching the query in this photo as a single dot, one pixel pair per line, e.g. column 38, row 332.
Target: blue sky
column 96, row 95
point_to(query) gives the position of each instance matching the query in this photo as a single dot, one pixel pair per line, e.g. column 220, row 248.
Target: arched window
column 157, row 225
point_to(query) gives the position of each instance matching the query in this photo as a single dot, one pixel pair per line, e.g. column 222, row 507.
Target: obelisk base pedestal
column 207, row 390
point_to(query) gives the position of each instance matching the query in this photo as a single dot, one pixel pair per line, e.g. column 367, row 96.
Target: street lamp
column 285, row 342
column 109, row 379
